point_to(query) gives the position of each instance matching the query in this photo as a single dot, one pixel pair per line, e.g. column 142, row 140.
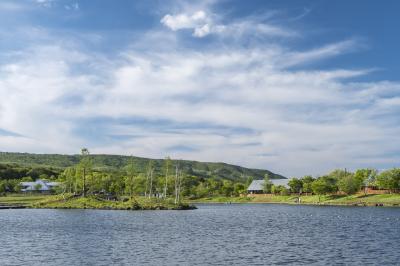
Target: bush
column 349, row 184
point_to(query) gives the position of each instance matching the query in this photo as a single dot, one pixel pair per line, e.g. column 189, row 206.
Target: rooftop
column 259, row 184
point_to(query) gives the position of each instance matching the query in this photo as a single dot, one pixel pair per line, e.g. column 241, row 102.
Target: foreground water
column 257, row 234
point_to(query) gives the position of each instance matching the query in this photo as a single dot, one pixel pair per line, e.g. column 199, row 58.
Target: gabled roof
column 45, row 185
column 257, row 185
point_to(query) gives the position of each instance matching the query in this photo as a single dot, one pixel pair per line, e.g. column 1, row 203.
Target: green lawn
column 21, row 199
column 386, row 199
column 67, row 201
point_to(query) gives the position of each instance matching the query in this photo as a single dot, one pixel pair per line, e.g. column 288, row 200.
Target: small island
column 70, row 201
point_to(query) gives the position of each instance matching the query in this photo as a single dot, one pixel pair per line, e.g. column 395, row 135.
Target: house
column 39, row 185
column 257, row 186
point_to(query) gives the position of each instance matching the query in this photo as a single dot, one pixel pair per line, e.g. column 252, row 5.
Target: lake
column 217, row 234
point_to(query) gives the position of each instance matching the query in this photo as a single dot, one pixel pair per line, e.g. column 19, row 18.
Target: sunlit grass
column 388, row 199
column 22, row 199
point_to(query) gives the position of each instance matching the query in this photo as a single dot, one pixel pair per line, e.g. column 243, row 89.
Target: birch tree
column 149, row 179
column 167, row 162
column 85, row 166
column 176, row 183
column 129, row 184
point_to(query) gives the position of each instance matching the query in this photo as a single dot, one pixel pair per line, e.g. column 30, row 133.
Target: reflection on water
column 257, row 234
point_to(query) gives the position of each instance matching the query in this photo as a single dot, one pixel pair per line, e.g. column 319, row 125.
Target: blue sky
column 297, row 87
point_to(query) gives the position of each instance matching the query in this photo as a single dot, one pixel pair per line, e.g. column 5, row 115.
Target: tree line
column 171, row 182
column 340, row 181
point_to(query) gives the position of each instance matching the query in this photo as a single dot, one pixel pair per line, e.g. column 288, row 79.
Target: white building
column 38, row 186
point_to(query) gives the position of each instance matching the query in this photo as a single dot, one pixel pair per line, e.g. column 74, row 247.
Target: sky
column 295, row 87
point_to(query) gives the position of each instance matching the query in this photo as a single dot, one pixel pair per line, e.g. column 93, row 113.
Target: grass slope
column 370, row 200
column 119, row 162
column 142, row 203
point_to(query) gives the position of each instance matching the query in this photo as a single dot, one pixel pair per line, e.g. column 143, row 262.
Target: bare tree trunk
column 176, row 184
column 132, row 178
column 84, row 182
column 166, row 183
column 179, row 186
column 147, row 185
column 151, row 183
column 75, row 185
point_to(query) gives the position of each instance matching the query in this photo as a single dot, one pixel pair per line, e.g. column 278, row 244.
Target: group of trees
column 338, row 181
column 171, row 182
column 269, row 187
column 347, row 182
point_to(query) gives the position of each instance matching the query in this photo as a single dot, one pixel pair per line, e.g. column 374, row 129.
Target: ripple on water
column 234, row 234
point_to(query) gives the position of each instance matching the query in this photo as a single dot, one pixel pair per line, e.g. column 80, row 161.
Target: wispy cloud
column 73, row 6
column 11, row 6
column 254, row 105
column 203, row 24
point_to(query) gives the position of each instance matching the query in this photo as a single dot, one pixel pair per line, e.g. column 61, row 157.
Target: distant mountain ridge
column 119, row 162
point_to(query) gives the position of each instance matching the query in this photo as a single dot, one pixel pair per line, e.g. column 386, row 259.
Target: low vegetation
column 352, row 200
column 120, row 182
column 56, row 163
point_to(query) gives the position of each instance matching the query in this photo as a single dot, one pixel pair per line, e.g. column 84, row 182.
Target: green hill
column 118, row 162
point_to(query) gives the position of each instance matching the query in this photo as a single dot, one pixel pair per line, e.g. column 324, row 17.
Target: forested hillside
column 24, row 162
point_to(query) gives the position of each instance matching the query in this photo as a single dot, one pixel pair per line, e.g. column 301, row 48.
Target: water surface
column 248, row 234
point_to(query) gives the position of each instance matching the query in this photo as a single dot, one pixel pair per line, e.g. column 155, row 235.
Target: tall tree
column 151, row 183
column 307, row 181
column 349, row 184
column 389, row 179
column 296, row 185
column 366, row 177
column 129, row 182
column 321, row 186
column 267, row 186
column 167, row 163
column 176, row 183
column 85, row 165
column 148, row 170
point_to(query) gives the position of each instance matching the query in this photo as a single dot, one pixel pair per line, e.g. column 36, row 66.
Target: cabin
column 42, row 186
column 257, row 186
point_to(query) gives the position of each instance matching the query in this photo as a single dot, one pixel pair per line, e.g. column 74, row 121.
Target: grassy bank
column 67, row 201
column 368, row 200
column 20, row 199
column 141, row 203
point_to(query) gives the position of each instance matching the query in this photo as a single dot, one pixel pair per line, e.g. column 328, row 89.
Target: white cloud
column 45, row 3
column 11, row 6
column 204, row 24
column 197, row 21
column 73, row 6
column 243, row 105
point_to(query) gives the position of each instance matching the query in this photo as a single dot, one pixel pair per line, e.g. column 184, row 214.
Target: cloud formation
column 258, row 106
column 203, row 24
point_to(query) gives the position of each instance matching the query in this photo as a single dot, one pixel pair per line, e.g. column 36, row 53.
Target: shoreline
column 298, row 204
column 90, row 202
column 372, row 200
column 68, row 201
